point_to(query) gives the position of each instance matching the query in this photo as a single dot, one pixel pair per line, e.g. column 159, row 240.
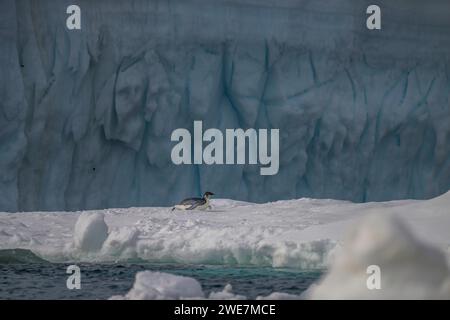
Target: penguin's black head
column 208, row 194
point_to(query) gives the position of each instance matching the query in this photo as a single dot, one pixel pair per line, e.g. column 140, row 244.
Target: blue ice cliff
column 86, row 115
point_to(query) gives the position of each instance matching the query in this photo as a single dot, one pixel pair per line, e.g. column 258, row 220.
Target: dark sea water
column 41, row 280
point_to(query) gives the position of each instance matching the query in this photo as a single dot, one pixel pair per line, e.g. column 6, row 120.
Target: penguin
column 195, row 203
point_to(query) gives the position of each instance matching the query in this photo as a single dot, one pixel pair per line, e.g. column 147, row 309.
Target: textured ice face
column 86, row 120
column 127, row 122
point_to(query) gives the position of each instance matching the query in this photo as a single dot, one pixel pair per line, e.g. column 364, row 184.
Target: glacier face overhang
column 86, row 115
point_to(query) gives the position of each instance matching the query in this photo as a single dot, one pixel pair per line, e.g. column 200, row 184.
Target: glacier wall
column 86, row 115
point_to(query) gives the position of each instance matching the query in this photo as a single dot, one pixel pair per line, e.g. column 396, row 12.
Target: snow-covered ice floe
column 299, row 233
column 408, row 240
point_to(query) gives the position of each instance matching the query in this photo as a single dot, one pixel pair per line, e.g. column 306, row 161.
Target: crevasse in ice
column 86, row 115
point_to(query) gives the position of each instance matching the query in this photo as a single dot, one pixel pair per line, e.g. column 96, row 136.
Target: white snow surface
column 299, row 233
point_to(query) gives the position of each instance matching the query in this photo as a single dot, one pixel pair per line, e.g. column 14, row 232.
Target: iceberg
column 86, row 115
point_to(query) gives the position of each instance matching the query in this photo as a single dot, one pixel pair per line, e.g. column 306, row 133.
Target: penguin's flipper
column 193, row 206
